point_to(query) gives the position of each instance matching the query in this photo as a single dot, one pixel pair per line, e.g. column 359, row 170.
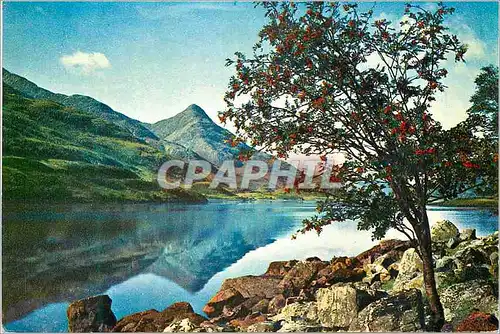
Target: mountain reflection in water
column 149, row 256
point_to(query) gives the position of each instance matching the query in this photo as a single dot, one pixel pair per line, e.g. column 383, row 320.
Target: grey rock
column 443, row 230
column 453, row 242
column 264, row 327
column 184, row 326
column 339, row 304
column 410, row 268
column 460, row 299
column 306, row 311
column 468, row 234
column 402, row 312
column 92, row 314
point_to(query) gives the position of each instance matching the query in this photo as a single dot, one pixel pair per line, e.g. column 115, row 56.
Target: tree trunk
column 437, row 316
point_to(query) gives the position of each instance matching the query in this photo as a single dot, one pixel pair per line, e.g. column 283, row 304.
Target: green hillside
column 56, row 152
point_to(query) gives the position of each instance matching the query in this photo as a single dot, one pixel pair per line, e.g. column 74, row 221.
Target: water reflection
column 55, row 254
column 149, row 256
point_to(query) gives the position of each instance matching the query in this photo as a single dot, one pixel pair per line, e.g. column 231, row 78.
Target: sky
column 150, row 61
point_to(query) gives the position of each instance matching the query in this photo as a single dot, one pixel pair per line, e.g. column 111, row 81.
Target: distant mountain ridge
column 56, row 152
column 31, row 90
column 80, row 128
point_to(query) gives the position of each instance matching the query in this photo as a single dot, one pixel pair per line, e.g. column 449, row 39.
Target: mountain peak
column 195, row 110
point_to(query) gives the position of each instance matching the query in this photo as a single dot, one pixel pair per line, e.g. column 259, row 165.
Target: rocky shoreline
column 380, row 290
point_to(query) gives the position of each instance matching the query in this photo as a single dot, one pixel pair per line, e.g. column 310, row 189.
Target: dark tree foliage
column 485, row 101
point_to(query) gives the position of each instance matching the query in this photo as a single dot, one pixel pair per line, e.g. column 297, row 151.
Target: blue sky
column 151, row 60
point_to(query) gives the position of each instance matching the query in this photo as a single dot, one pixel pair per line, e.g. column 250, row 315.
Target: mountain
column 85, row 103
column 75, row 148
column 194, row 130
column 55, row 151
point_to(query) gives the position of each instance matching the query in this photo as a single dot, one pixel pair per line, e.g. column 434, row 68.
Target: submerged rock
column 402, row 312
column 92, row 314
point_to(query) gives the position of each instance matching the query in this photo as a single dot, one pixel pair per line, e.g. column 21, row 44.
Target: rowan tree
column 327, row 78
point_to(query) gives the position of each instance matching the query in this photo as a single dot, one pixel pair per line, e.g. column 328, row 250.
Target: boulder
column 92, row 314
column 229, row 296
column 252, row 301
column 336, row 273
column 478, row 322
column 403, row 312
column 305, row 311
column 243, row 324
column 300, row 277
column 446, row 264
column 415, row 283
column 211, row 327
column 251, row 286
column 453, row 242
column 410, row 267
column 239, row 311
column 471, row 256
column 383, row 269
column 184, row 325
column 301, row 326
column 279, row 268
column 338, row 305
column 395, row 247
column 261, row 306
column 461, row 299
column 276, row 304
column 154, row 321
column 443, row 230
column 263, row 327
column 467, row 234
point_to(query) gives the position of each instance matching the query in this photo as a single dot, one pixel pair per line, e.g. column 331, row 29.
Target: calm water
column 149, row 256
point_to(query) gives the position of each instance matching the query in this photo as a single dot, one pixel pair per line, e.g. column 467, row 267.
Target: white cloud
column 476, row 47
column 85, row 63
column 450, row 107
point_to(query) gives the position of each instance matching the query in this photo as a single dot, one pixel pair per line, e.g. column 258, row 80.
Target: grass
column 54, row 153
column 487, row 202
